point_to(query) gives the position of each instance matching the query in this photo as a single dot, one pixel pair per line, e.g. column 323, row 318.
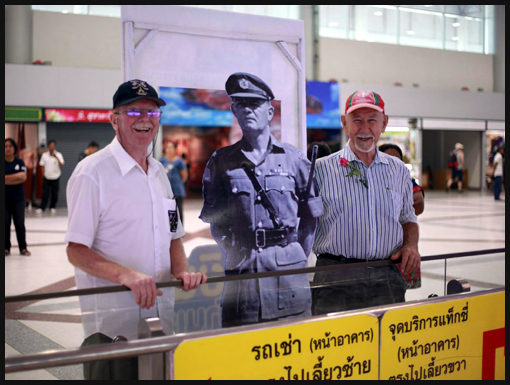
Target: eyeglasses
column 136, row 113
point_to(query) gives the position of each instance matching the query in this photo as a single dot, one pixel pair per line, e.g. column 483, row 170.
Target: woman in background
column 15, row 176
column 177, row 173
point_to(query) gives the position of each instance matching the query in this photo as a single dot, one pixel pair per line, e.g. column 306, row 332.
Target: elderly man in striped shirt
column 368, row 216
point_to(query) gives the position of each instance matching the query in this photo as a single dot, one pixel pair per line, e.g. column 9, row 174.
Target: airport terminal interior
column 439, row 68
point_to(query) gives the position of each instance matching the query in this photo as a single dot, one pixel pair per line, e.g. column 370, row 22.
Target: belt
column 341, row 258
column 275, row 237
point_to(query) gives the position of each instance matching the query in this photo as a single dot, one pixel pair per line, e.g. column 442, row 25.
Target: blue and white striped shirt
column 359, row 222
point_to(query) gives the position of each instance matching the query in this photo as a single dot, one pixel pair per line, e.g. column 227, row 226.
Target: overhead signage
column 23, row 114
column 77, row 115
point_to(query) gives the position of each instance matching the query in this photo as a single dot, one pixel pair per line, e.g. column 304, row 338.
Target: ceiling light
column 456, row 24
column 333, row 24
column 410, row 33
column 455, row 38
column 378, row 13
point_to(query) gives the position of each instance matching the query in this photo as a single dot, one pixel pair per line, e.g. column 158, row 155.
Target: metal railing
column 166, row 344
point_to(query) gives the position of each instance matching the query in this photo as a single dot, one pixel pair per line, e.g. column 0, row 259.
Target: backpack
column 452, row 160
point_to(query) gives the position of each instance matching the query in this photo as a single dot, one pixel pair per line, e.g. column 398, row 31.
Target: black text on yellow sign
column 462, row 339
column 341, row 348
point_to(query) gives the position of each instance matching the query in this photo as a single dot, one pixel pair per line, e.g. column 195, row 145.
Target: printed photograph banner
column 342, row 348
column 462, row 339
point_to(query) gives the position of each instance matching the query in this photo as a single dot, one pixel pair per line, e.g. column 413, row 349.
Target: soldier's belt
column 275, row 237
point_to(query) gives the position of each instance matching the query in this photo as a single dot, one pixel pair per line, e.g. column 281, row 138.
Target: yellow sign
column 342, row 348
column 462, row 339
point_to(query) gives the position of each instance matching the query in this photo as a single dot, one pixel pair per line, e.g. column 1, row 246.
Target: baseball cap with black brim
column 133, row 90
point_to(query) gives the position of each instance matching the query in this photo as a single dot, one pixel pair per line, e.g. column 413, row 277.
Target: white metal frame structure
column 178, row 46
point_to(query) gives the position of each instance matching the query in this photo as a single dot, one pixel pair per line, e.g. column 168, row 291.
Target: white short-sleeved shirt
column 122, row 213
column 52, row 169
column 498, row 158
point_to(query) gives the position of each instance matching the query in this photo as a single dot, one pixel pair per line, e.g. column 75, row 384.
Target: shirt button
column 258, row 173
column 283, row 188
column 259, row 225
column 234, row 190
column 260, row 250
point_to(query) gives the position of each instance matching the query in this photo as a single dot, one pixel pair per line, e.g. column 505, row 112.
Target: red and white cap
column 360, row 99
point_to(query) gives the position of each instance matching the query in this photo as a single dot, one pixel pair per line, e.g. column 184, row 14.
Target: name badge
column 173, row 215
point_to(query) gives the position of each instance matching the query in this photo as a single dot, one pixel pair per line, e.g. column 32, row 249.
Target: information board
column 462, row 339
column 341, row 348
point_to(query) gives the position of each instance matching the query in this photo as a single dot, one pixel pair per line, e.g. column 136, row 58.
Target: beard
column 364, row 146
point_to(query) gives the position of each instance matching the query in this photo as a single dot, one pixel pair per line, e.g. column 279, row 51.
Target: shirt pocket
column 171, row 215
column 282, row 193
column 240, row 203
column 396, row 200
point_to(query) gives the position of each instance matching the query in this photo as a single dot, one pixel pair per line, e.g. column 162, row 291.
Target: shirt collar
column 272, row 143
column 126, row 162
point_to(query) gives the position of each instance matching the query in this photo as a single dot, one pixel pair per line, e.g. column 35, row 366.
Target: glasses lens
column 134, row 112
column 153, row 113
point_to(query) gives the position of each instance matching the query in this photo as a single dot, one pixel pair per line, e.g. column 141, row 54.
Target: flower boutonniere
column 355, row 172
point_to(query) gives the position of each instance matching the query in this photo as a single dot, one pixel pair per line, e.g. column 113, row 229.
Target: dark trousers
column 118, row 369
column 16, row 211
column 50, row 187
column 497, row 186
column 357, row 288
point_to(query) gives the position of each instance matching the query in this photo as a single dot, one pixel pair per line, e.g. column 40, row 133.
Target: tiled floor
column 451, row 223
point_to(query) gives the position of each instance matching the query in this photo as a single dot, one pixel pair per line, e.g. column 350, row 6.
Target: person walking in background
column 177, row 173
column 497, row 172
column 15, row 176
column 457, row 168
column 52, row 161
column 91, row 148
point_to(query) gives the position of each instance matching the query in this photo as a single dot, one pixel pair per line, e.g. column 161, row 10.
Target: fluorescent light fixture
column 65, row 11
column 333, row 24
column 455, row 38
column 456, row 24
column 411, row 33
column 397, row 129
column 378, row 13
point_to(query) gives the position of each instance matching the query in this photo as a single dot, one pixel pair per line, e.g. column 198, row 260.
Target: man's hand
column 191, row 281
column 410, row 259
column 143, row 287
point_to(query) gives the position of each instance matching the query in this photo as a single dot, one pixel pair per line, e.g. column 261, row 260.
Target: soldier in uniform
column 261, row 210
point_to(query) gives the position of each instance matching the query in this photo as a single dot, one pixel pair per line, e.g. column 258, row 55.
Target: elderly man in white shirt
column 124, row 229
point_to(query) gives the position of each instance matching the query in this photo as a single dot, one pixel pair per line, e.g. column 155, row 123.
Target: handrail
column 74, row 356
column 238, row 277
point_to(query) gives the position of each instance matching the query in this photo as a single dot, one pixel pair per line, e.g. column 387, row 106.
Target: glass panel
column 464, row 34
column 374, row 23
column 436, row 8
column 333, row 21
column 105, row 10
column 81, row 9
column 481, row 272
column 465, row 10
column 284, row 11
column 421, row 28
